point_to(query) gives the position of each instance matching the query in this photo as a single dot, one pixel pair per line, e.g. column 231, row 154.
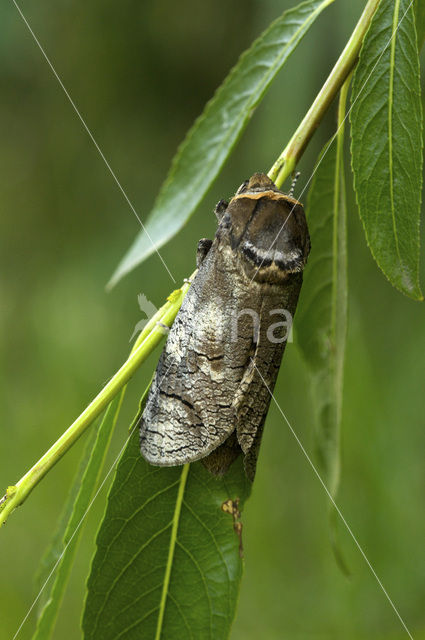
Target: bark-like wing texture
column 189, row 409
column 253, row 398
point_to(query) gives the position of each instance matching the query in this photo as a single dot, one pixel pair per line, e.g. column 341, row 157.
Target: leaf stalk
column 288, row 159
column 152, row 333
column 145, row 344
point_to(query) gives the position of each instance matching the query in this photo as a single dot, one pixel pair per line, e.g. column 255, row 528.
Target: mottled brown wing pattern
column 254, row 395
column 211, row 390
column 189, row 408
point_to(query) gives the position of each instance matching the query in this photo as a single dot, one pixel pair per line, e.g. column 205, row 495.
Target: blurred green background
column 140, row 73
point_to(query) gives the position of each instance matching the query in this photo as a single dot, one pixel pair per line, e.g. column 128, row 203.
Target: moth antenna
column 294, row 182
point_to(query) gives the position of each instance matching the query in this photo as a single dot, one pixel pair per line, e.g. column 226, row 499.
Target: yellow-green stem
column 147, row 341
column 288, row 159
column 152, row 334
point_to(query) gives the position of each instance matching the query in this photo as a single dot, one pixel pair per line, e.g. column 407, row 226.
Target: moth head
column 257, row 183
column 267, row 230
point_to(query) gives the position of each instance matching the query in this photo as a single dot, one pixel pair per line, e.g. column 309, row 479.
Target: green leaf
column 60, row 556
column 322, row 320
column 322, row 317
column 420, row 22
column 386, row 129
column 167, row 563
column 56, row 545
column 214, row 134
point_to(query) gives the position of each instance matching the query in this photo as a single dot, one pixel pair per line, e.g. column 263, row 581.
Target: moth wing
column 252, row 400
column 189, row 410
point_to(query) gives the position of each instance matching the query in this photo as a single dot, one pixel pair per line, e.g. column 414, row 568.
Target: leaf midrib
column 390, row 123
column 248, row 106
column 265, row 79
column 171, row 550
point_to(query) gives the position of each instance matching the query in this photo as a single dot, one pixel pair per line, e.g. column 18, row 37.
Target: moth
column 212, row 387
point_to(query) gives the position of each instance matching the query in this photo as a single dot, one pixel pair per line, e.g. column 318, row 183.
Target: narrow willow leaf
column 214, row 134
column 62, row 552
column 56, row 545
column 167, row 563
column 322, row 317
column 322, row 325
column 386, row 129
column 420, row 22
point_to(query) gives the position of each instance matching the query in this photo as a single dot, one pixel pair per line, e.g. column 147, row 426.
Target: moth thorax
column 268, row 231
column 272, row 253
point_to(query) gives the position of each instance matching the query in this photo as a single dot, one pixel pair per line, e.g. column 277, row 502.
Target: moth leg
column 220, row 208
column 204, row 245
